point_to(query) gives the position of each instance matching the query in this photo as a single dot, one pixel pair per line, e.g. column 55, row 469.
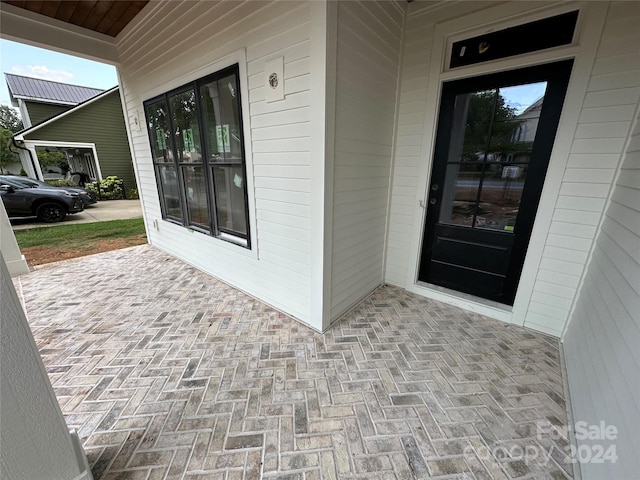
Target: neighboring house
column 86, row 124
column 40, row 100
column 300, row 150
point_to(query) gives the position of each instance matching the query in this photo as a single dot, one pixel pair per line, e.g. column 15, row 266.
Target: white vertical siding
column 601, row 344
column 603, row 127
column 368, row 59
column 180, row 40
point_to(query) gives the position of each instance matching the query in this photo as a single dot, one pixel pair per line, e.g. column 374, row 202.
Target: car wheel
column 51, row 212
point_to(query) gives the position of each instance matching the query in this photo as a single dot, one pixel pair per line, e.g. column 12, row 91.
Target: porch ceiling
column 168, row 373
column 104, row 16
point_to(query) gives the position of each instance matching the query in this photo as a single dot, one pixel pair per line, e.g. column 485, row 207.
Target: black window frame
column 206, row 160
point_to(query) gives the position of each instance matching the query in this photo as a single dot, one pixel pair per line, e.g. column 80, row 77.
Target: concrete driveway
column 98, row 212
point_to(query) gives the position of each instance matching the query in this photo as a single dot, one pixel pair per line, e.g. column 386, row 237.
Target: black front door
column 494, row 139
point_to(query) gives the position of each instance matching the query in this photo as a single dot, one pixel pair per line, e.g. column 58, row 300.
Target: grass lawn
column 51, row 244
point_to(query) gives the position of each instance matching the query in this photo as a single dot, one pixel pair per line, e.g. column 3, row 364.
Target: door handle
column 432, row 201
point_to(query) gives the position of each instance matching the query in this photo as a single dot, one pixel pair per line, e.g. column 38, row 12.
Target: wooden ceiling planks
column 103, row 16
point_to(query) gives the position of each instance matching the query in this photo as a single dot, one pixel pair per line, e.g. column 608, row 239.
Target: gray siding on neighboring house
column 101, row 123
column 602, row 341
column 42, row 111
column 368, row 62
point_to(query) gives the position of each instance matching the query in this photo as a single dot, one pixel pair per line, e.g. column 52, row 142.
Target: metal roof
column 38, row 90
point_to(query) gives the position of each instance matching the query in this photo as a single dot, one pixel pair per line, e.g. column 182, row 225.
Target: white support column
column 9, row 250
column 36, row 443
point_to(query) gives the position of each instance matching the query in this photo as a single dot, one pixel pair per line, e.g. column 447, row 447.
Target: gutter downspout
column 33, row 165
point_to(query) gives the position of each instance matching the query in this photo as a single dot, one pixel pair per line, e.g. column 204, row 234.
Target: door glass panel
column 491, row 141
column 185, row 124
column 460, row 193
column 476, row 122
column 500, row 197
column 196, row 193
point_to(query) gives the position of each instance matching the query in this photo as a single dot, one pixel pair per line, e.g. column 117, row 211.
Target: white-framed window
column 198, row 150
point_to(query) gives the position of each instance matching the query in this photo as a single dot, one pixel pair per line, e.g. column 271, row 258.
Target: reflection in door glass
column 489, row 150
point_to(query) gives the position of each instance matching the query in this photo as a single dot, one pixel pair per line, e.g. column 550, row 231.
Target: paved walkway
column 98, row 212
column 168, row 373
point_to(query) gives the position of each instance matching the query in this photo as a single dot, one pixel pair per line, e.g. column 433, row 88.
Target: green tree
column 55, row 159
column 6, row 156
column 490, row 126
column 10, row 123
column 9, row 119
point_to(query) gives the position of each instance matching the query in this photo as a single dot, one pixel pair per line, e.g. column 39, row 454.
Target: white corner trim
column 323, row 36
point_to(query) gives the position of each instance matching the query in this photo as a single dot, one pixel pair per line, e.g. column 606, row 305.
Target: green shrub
column 62, row 183
column 132, row 194
column 111, row 188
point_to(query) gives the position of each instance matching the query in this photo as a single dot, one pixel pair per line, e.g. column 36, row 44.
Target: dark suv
column 87, row 196
column 48, row 205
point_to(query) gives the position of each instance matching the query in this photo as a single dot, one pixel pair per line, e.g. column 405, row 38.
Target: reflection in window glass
column 167, row 175
column 185, row 124
column 222, row 119
column 158, row 125
column 196, row 196
column 489, row 149
column 462, row 194
column 500, row 198
column 478, row 109
column 230, row 198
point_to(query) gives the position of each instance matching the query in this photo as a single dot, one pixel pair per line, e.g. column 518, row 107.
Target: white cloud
column 43, row 72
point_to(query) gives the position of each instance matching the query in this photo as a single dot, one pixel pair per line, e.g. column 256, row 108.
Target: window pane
column 460, row 193
column 159, row 134
column 221, row 104
column 500, row 198
column 196, row 193
column 476, row 110
column 230, row 199
column 185, row 124
column 489, row 147
column 167, row 175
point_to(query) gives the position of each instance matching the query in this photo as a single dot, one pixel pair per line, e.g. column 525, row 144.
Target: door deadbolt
column 434, row 187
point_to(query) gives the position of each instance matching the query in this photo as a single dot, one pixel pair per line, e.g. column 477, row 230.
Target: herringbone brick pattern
column 168, row 373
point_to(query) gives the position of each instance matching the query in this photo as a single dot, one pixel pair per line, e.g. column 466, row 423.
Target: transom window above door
column 197, row 144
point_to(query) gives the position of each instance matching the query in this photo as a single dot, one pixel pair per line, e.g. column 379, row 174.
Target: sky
column 28, row 61
column 21, row 59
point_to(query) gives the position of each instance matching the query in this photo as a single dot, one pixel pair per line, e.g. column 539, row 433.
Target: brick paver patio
column 168, row 373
